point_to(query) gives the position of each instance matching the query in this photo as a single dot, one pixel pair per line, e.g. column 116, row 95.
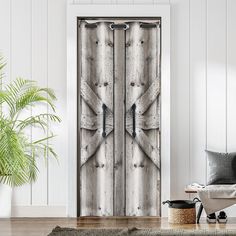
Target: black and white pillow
column 221, row 168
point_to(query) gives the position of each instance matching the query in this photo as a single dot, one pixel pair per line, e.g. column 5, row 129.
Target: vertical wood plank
column 21, row 66
column 197, row 91
column 39, row 74
column 180, row 98
column 119, row 122
column 57, row 80
column 96, row 175
column 5, row 39
column 216, row 75
column 142, row 176
column 231, row 75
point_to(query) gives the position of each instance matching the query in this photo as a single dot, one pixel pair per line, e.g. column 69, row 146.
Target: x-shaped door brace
column 141, row 122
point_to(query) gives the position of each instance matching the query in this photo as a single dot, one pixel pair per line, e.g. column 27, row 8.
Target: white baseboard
column 39, row 211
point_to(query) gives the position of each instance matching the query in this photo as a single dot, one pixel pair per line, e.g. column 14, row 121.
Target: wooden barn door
column 119, row 109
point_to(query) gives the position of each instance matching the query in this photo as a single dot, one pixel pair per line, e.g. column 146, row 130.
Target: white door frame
column 73, row 12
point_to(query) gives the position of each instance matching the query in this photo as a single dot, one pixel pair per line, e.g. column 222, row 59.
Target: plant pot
column 5, row 200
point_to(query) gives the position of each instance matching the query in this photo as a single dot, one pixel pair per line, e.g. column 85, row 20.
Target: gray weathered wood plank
column 142, row 175
column 146, row 100
column 119, row 122
column 91, row 98
column 143, row 122
column 96, row 174
column 150, row 149
column 89, row 149
column 95, row 122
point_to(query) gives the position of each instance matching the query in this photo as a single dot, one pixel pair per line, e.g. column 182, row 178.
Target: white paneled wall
column 203, row 85
column 33, row 42
column 179, row 97
column 203, row 70
column 231, row 75
column 197, row 91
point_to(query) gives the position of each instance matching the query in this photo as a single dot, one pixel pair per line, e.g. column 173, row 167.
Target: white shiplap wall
column 203, row 85
column 33, row 41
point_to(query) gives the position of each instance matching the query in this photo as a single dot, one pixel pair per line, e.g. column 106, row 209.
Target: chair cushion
column 221, row 168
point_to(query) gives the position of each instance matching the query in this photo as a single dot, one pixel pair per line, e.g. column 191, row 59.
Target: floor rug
column 58, row 231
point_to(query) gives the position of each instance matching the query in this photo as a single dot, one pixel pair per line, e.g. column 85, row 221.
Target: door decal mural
column 119, row 83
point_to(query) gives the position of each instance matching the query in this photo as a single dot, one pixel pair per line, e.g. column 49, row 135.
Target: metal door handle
column 134, row 120
column 104, row 108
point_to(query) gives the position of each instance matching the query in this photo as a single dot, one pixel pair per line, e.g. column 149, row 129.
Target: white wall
column 203, row 85
column 33, row 41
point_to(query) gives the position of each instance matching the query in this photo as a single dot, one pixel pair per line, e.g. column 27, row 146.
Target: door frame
column 75, row 11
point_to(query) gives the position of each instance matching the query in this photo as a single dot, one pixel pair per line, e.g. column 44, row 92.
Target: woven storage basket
column 182, row 211
column 182, row 216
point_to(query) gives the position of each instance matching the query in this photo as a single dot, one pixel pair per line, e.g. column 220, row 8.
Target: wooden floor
column 43, row 226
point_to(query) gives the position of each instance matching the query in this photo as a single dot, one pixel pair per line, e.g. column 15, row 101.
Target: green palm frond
column 37, row 121
column 12, row 157
column 18, row 154
column 22, row 94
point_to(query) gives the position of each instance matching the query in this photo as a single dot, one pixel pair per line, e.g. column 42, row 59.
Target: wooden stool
column 189, row 189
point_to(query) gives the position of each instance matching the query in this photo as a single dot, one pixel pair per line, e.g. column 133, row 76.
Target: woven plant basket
column 182, row 211
column 182, row 216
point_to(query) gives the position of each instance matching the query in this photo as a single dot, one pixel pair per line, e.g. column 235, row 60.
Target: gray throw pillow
column 221, row 168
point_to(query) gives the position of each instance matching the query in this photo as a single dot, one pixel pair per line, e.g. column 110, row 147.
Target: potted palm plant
column 18, row 152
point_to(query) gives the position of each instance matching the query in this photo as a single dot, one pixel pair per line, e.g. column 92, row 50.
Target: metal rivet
column 110, row 44
column 96, row 84
column 132, row 83
column 96, row 42
column 105, row 83
column 142, row 41
column 103, row 165
column 148, row 58
column 135, row 165
column 139, row 207
column 128, row 44
column 142, row 84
